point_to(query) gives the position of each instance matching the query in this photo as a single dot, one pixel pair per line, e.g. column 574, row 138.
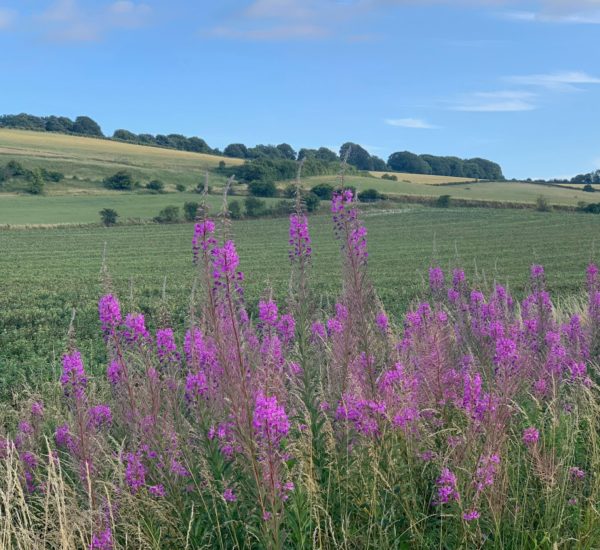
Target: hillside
column 87, row 161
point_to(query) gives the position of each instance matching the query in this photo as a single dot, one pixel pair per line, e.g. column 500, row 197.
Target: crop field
column 47, row 272
column 502, row 191
column 90, row 160
column 26, row 210
column 423, row 178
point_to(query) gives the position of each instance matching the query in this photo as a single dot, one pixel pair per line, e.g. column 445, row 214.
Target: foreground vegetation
column 471, row 421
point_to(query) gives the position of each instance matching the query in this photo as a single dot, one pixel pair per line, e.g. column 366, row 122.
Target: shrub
column 370, row 195
column 120, row 181
column 541, row 204
column 311, row 202
column 443, row 201
column 589, row 188
column 391, row 177
column 235, row 210
column 189, row 210
column 169, row 214
column 254, row 207
column 323, row 190
column 180, row 187
column 155, row 185
column 108, row 216
column 262, row 189
column 36, row 182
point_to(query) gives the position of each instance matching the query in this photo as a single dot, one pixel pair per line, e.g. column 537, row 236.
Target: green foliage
column 189, row 210
column 156, row 185
column 443, row 201
column 590, row 208
column 322, row 154
column 255, row 207
column 311, row 201
column 356, row 156
column 235, row 210
column 588, row 188
column 180, row 187
column 391, row 177
column 262, row 188
column 589, row 178
column 108, row 216
column 52, row 176
column 36, row 182
column 406, row 161
column 169, row 214
column 85, row 126
column 121, row 181
column 370, row 195
column 445, row 166
column 323, row 190
column 236, row 150
column 542, row 205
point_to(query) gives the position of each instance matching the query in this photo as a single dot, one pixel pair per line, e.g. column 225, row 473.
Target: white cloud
column 283, row 9
column 7, row 18
column 416, row 123
column 70, row 20
column 555, row 81
column 276, row 32
column 496, row 102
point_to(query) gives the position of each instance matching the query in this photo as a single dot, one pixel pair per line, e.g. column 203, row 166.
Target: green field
column 90, row 160
column 83, row 209
column 503, row 191
column 47, row 272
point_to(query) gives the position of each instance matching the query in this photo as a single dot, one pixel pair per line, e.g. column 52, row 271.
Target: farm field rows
column 502, row 191
column 48, row 272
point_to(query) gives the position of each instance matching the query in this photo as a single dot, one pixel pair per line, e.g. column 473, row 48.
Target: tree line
column 320, row 159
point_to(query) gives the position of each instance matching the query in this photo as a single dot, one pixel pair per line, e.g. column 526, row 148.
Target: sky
column 517, row 82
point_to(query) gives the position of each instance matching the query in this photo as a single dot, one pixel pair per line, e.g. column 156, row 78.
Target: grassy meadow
column 423, row 178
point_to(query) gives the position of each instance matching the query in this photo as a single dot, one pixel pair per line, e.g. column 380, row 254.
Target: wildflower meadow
column 470, row 422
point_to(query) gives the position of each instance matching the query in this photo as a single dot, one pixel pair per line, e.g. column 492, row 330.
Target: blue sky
column 514, row 81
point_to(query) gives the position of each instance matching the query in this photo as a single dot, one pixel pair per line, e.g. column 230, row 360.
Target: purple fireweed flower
column 25, row 427
column 340, row 200
column 165, row 344
column 334, row 326
column 37, row 409
column 270, row 421
column 229, row 495
column 381, row 320
column 530, row 436
column 267, row 312
column 506, row 352
column 73, row 378
column 362, row 413
column 203, row 237
column 225, row 262
column 447, row 487
column 286, row 327
column 471, row 515
column 196, row 385
column 114, row 372
column 157, row 490
column 436, row 278
column 318, row 330
column 537, row 271
column 178, row 468
column 136, row 327
column 487, row 469
column 109, row 313
column 100, row 415
column 299, row 238
column 102, row 541
column 458, row 277
column 135, row 472
column 62, row 436
column 592, row 277
column 576, row 473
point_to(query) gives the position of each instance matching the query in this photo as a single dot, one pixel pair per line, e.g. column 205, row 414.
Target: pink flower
column 530, row 436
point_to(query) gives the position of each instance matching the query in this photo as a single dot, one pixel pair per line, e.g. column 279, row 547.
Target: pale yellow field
column 423, row 178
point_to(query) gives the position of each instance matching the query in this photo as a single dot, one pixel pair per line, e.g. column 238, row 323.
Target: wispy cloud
column 415, row 123
column 7, row 18
column 71, row 20
column 585, row 12
column 278, row 32
column 496, row 102
column 561, row 81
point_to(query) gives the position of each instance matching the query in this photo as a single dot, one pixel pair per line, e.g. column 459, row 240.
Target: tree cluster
column 590, row 178
column 478, row 168
column 82, row 125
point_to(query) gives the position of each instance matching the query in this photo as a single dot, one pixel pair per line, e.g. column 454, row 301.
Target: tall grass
column 472, row 424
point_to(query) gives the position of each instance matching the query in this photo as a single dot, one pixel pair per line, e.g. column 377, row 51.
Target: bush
column 180, row 187
column 189, row 210
column 255, row 207
column 108, row 216
column 235, row 210
column 311, row 202
column 169, row 214
column 120, row 181
column 443, row 201
column 370, row 195
column 36, row 182
column 262, row 189
column 156, row 186
column 52, row 176
column 323, row 190
column 541, row 204
column 589, row 188
column 391, row 177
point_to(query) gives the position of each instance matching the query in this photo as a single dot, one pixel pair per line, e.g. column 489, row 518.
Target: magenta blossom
column 530, row 436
